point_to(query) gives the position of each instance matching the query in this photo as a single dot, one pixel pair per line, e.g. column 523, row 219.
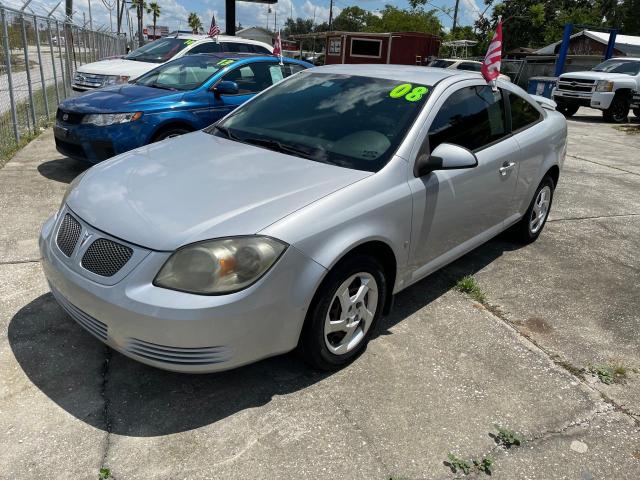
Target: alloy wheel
column 351, row 313
column 540, row 209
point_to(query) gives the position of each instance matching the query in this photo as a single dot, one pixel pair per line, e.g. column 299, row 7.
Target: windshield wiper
column 162, row 87
column 226, row 132
column 279, row 147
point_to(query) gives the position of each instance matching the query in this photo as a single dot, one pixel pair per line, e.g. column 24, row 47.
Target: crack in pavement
column 105, row 410
column 595, row 217
column 19, row 262
column 604, row 165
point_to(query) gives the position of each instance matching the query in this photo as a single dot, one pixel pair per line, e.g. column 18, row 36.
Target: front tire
column 170, row 132
column 567, row 109
column 618, row 111
column 344, row 313
column 530, row 226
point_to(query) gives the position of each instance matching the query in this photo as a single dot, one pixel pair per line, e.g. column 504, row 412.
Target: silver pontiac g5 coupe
column 293, row 221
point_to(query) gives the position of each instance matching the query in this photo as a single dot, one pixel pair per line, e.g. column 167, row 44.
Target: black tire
column 313, row 345
column 618, row 111
column 170, row 132
column 636, row 112
column 567, row 109
column 522, row 231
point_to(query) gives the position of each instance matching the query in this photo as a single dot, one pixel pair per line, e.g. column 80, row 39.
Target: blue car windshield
column 351, row 121
column 159, row 51
column 186, row 73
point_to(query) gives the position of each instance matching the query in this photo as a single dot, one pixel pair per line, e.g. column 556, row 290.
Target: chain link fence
column 38, row 58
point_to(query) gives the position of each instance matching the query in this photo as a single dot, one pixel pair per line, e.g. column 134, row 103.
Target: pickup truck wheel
column 567, row 109
column 618, row 112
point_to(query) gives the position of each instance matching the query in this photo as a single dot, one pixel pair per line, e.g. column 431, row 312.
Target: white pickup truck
column 609, row 87
column 112, row 71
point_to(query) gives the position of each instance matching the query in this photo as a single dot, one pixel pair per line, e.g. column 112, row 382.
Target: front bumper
column 179, row 331
column 599, row 100
column 93, row 144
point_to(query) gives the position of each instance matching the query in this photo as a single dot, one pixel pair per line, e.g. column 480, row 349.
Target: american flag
column 492, row 60
column 214, row 29
column 277, row 47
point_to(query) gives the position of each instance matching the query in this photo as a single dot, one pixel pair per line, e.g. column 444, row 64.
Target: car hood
column 118, row 66
column 591, row 75
column 198, row 187
column 119, row 98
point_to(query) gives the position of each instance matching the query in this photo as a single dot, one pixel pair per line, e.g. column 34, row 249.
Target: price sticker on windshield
column 225, row 63
column 409, row 92
column 189, row 42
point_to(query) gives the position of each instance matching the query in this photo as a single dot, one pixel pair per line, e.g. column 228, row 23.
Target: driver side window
column 252, row 78
column 471, row 117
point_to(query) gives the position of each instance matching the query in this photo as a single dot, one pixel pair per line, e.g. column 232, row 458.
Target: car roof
column 458, row 60
column 633, row 59
column 244, row 56
column 221, row 38
column 401, row 73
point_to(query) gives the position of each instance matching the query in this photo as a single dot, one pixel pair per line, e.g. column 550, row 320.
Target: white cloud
column 470, row 10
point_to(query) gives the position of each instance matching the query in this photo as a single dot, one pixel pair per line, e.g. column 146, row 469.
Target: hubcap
column 540, row 210
column 351, row 313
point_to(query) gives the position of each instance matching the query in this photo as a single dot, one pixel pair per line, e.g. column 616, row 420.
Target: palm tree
column 140, row 7
column 154, row 9
column 194, row 22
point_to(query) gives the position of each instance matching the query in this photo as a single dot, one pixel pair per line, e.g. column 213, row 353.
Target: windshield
column 351, row 121
column 441, row 63
column 616, row 65
column 186, row 73
column 160, row 51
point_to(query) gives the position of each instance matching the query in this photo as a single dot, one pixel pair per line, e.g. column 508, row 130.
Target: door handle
column 506, row 167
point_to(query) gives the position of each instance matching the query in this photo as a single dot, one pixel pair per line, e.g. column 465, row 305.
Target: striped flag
column 214, row 29
column 277, row 47
column 492, row 60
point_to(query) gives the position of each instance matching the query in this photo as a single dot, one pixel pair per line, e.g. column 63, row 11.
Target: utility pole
column 68, row 10
column 331, row 14
column 90, row 18
column 455, row 17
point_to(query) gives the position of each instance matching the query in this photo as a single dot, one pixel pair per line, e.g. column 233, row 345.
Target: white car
column 462, row 64
column 112, row 71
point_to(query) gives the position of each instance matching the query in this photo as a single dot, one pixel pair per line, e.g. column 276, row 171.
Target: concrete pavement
column 442, row 371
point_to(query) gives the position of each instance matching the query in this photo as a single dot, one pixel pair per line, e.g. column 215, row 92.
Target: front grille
column 70, row 149
column 68, row 234
column 71, row 117
column 88, row 80
column 105, row 257
column 93, row 326
column 576, row 85
column 178, row 355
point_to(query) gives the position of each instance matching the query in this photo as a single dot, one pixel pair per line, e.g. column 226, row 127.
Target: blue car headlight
column 215, row 267
column 104, row 119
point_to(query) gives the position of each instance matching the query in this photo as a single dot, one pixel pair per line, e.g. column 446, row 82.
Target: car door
column 456, row 210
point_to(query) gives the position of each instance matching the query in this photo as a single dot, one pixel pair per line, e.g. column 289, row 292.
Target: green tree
column 194, row 22
column 355, row 19
column 154, row 10
column 394, row 19
column 139, row 6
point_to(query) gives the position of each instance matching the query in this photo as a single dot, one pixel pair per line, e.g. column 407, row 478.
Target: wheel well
column 624, row 92
column 554, row 173
column 169, row 126
column 383, row 253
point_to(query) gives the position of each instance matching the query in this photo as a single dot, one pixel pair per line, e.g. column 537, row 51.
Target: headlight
column 219, row 266
column 103, row 119
column 604, row 86
column 74, row 183
column 114, row 79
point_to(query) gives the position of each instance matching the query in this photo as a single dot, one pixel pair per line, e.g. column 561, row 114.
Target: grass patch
column 630, row 129
column 507, row 437
column 457, row 464
column 104, row 474
column 469, row 286
column 609, row 374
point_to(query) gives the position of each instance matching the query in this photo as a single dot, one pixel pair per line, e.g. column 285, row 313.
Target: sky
column 175, row 12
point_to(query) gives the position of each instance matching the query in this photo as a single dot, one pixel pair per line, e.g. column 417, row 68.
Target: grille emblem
column 85, row 238
column 65, row 117
column 573, row 84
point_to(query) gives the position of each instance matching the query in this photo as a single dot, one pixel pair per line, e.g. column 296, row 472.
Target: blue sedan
column 181, row 96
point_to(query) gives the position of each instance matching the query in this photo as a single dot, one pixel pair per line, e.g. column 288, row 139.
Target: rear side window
column 469, row 66
column 471, row 117
column 239, row 47
column 207, row 47
column 260, row 49
column 523, row 114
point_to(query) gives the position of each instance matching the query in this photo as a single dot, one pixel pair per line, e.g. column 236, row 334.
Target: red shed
column 404, row 48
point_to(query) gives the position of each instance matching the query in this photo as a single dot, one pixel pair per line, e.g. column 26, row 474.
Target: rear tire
column 344, row 313
column 618, row 111
column 530, row 226
column 567, row 109
column 170, row 133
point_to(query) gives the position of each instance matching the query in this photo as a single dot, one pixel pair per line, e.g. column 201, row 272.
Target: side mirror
column 226, row 88
column 446, row 156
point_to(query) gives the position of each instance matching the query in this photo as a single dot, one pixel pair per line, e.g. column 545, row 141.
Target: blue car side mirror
column 226, row 88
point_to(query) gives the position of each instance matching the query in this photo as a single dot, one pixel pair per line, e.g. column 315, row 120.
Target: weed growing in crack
column 468, row 285
column 104, row 474
column 609, row 374
column 506, row 437
column 455, row 463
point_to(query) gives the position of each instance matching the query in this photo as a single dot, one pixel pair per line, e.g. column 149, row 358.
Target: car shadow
column 114, row 393
column 62, row 170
